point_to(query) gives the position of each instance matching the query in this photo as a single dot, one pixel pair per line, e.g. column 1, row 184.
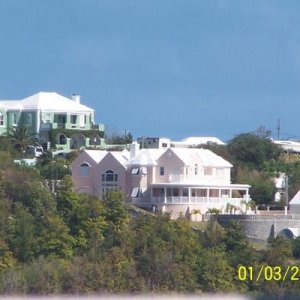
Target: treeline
column 258, row 161
column 56, row 241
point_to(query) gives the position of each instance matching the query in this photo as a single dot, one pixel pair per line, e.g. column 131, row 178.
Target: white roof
column 296, row 199
column 45, row 101
column 288, row 145
column 194, row 141
column 208, row 158
column 121, row 157
column 146, row 157
column 98, row 155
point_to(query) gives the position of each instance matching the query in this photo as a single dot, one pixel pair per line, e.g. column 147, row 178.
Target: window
column 48, row 118
column 144, row 170
column 185, row 192
column 161, row 171
column 175, row 192
column 29, row 119
column 207, row 171
column 164, row 145
column 1, row 119
column 196, row 169
column 109, row 181
column 82, row 120
column 158, row 192
column 109, row 176
column 84, row 170
column 135, row 192
column 135, row 171
column 73, row 119
column 14, row 119
column 62, row 140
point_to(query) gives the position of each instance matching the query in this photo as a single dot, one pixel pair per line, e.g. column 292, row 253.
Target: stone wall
column 260, row 227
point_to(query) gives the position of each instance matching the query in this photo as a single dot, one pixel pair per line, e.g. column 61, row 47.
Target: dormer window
column 135, row 192
column 196, row 169
column 135, row 170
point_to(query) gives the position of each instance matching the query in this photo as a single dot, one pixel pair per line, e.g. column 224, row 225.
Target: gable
column 170, row 158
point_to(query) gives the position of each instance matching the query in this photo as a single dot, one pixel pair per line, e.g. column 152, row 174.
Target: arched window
column 196, row 169
column 62, row 139
column 109, row 176
column 84, row 169
column 1, row 119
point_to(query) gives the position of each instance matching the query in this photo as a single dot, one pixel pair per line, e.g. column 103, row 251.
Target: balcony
column 46, row 126
column 197, row 200
column 199, row 179
column 99, row 127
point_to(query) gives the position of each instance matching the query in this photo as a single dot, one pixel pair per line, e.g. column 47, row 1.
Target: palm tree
column 196, row 212
column 248, row 204
column 21, row 137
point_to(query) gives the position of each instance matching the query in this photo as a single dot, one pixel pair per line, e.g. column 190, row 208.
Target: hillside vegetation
column 53, row 240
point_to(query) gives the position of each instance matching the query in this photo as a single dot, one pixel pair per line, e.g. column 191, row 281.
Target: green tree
column 166, row 252
column 54, row 238
column 115, row 211
column 22, row 235
column 279, row 251
column 214, row 273
column 67, row 200
column 238, row 247
column 252, row 150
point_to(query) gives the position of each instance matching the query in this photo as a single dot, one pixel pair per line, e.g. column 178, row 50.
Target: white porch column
column 207, row 194
column 189, row 194
column 247, row 194
column 165, row 193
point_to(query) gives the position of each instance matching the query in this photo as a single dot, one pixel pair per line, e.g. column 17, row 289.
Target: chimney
column 76, row 98
column 134, row 149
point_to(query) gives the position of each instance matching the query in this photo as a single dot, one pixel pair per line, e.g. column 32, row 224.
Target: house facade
column 189, row 142
column 63, row 122
column 177, row 181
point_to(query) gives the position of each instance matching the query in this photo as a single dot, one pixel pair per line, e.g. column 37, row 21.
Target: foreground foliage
column 63, row 242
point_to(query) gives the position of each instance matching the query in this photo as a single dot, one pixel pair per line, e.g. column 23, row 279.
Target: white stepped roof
column 194, row 141
column 98, row 155
column 146, row 157
column 296, row 199
column 121, row 157
column 45, row 101
column 207, row 157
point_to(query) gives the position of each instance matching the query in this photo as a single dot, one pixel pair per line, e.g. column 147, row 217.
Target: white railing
column 175, row 178
column 196, row 200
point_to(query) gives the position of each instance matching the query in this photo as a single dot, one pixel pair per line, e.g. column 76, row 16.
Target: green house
column 59, row 122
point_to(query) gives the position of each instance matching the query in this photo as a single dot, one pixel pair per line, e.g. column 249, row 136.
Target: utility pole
column 286, row 189
column 278, row 129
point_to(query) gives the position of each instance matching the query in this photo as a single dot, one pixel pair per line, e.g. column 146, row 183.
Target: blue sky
column 172, row 68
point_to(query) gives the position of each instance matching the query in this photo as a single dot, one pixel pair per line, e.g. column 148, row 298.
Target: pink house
column 173, row 180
